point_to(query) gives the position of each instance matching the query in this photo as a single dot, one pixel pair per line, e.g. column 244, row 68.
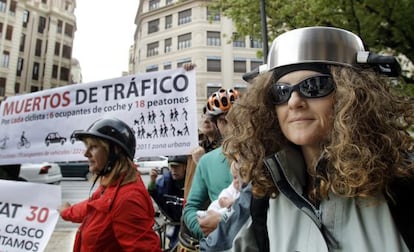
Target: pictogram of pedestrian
column 185, row 129
column 165, row 130
column 153, row 116
column 155, row 132
column 149, row 117
column 172, row 129
column 142, row 119
column 175, row 114
column 185, row 114
column 142, row 132
column 171, row 115
column 162, row 116
column 161, row 131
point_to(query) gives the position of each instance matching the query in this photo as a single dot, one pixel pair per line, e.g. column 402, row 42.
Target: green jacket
column 211, row 176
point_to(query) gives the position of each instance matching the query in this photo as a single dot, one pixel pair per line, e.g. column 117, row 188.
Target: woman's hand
column 64, row 206
column 209, row 222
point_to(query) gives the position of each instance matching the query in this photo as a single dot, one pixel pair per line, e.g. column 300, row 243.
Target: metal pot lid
column 315, row 45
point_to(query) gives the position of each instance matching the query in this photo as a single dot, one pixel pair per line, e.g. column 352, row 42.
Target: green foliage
column 382, row 24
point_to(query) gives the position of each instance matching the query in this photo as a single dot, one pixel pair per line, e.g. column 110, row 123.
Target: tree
column 383, row 25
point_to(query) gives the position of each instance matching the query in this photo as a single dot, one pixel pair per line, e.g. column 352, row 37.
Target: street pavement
column 61, row 240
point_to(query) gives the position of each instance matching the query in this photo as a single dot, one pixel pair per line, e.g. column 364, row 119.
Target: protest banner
column 159, row 106
column 28, row 215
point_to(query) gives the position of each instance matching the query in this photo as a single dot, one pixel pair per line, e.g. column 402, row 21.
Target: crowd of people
column 314, row 156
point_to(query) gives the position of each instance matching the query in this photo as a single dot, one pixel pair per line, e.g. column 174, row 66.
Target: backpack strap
column 258, row 212
column 400, row 203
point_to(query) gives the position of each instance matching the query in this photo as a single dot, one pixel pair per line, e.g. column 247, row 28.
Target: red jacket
column 121, row 218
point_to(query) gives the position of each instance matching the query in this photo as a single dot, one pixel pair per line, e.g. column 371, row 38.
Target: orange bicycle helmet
column 220, row 102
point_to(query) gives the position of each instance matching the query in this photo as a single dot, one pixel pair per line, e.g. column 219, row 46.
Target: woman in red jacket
column 119, row 216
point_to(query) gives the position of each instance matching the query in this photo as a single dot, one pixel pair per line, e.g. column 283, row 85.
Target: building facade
column 170, row 33
column 36, row 41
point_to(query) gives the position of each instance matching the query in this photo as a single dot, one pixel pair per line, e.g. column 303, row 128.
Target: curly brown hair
column 369, row 145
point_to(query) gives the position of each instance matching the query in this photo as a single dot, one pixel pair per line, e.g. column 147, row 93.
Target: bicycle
column 23, row 143
column 163, row 222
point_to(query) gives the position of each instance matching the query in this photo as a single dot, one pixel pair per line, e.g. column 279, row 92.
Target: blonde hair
column 368, row 148
column 123, row 166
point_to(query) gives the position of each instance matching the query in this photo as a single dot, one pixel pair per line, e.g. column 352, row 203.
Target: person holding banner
column 119, row 216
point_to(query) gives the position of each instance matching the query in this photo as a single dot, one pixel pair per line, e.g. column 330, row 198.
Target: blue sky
column 112, row 23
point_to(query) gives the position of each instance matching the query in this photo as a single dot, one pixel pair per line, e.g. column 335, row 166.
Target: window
column 167, row 65
column 213, row 65
column 167, row 45
column 22, row 42
column 55, row 71
column 9, row 32
column 184, row 17
column 238, row 41
column 44, row 1
column 213, row 15
column 152, row 49
column 181, row 62
column 17, row 88
column 168, row 21
column 12, row 8
column 255, row 64
column 167, row 2
column 57, row 48
column 42, row 24
column 1, row 30
column 152, row 68
column 153, row 26
column 34, row 89
column 255, row 43
column 211, row 88
column 2, row 86
column 64, row 74
column 3, row 5
column 59, row 26
column 213, row 38
column 68, row 30
column 154, row 4
column 5, row 59
column 35, row 73
column 66, row 52
column 184, row 41
column 239, row 66
column 26, row 15
column 240, row 89
column 68, row 6
column 20, row 62
column 38, row 50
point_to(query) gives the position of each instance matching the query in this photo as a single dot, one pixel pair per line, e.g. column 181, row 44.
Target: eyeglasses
column 313, row 87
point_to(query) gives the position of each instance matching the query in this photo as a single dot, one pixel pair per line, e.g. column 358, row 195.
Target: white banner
column 28, row 215
column 159, row 106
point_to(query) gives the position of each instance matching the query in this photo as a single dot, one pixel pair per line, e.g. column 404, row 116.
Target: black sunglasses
column 313, row 87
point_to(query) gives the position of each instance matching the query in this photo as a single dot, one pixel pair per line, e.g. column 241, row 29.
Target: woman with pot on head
column 324, row 143
column 119, row 216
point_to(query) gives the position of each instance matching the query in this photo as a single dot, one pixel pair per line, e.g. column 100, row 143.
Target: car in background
column 145, row 164
column 74, row 170
column 48, row 173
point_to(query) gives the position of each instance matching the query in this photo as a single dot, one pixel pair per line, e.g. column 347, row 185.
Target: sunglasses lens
column 281, row 93
column 313, row 87
column 317, row 86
